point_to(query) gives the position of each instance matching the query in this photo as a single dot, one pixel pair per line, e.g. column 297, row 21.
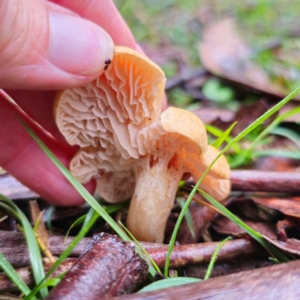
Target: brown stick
column 110, row 267
column 274, row 282
column 201, row 253
column 261, row 181
column 14, row 248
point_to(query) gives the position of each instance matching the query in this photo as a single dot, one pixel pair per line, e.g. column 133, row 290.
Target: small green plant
column 215, row 91
column 214, row 258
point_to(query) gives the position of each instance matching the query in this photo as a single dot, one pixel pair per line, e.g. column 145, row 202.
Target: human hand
column 46, row 46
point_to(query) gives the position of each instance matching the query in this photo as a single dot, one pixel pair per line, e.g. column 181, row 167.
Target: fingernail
column 78, row 46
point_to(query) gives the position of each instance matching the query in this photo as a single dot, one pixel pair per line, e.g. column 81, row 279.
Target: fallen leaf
column 224, row 53
column 289, row 207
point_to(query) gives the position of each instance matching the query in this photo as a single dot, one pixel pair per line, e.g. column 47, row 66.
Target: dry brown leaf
column 36, row 216
column 224, row 53
column 289, row 207
column 267, row 230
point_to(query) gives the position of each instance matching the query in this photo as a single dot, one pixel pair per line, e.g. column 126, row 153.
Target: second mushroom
column 132, row 148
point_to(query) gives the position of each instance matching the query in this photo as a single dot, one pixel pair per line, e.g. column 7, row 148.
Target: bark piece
column 108, row 268
column 274, row 282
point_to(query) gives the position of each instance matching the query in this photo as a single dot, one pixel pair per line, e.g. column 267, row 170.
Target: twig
column 264, row 181
column 201, row 253
column 16, row 250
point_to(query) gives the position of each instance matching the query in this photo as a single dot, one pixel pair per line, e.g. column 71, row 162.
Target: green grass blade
column 168, row 283
column 13, row 275
column 214, row 258
column 109, row 209
column 33, row 248
column 277, row 152
column 188, row 217
column 152, row 262
column 254, row 234
column 219, row 133
column 77, row 222
column 223, row 136
column 48, row 215
column 91, row 218
column 287, row 133
column 51, row 282
column 269, row 128
column 247, row 130
column 240, row 159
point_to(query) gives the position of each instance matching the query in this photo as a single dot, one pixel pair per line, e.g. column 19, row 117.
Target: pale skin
column 40, row 54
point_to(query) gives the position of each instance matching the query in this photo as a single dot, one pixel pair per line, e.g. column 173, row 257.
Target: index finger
column 105, row 14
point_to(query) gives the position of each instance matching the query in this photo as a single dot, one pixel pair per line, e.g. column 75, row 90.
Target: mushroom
column 132, row 148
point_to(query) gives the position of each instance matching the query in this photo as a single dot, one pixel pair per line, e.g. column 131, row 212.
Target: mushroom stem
column 153, row 198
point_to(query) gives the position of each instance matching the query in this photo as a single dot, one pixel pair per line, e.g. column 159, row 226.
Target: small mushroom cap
column 219, row 189
column 185, row 123
column 220, row 168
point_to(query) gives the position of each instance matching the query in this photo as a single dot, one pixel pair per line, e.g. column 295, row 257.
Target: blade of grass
column 224, row 136
column 33, row 248
column 79, row 221
column 254, row 234
column 91, row 218
column 188, row 217
column 52, row 282
column 277, row 152
column 275, row 123
column 240, row 159
column 218, row 133
column 248, row 129
column 49, row 213
column 287, row 133
column 168, row 283
column 214, row 258
column 14, row 276
column 109, row 209
column 141, row 248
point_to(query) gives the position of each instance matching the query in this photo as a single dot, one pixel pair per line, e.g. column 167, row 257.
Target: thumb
column 45, row 46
